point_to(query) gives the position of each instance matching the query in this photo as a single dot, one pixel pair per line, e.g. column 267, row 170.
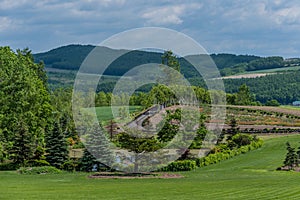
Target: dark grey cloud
column 265, row 27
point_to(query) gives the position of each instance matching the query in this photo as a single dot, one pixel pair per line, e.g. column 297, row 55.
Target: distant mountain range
column 70, row 58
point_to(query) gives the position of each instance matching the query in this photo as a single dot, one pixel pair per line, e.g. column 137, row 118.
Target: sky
column 255, row 27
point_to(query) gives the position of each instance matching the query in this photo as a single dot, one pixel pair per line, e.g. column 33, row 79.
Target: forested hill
column 70, row 58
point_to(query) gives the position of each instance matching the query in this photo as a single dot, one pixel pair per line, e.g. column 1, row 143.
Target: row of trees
column 34, row 122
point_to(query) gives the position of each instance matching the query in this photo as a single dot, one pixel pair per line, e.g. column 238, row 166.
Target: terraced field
column 285, row 110
column 248, row 176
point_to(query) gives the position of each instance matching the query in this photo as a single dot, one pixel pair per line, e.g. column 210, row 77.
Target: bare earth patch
column 120, row 175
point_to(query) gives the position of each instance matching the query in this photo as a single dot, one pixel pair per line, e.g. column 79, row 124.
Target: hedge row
column 217, row 157
column 180, row 165
column 188, row 165
column 39, row 170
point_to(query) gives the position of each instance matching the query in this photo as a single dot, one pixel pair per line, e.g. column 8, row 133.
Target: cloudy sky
column 260, row 27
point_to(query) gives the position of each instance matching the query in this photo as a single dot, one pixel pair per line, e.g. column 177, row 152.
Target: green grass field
column 282, row 69
column 291, row 107
column 104, row 113
column 247, row 176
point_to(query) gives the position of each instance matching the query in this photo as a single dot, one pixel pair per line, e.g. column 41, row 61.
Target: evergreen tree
column 234, row 129
column 97, row 149
column 22, row 149
column 298, row 156
column 88, row 161
column 291, row 157
column 56, row 147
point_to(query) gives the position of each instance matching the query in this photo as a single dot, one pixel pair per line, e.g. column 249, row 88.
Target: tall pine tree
column 97, row 150
column 56, row 147
column 291, row 157
column 22, row 149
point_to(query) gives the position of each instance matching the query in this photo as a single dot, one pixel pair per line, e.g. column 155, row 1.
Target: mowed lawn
column 104, row 113
column 247, row 176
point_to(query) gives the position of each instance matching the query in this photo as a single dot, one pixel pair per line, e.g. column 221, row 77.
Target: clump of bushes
column 219, row 156
column 8, row 166
column 212, row 158
column 39, row 170
column 181, row 165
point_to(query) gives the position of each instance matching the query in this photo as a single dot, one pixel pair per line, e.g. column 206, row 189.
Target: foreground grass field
column 248, row 176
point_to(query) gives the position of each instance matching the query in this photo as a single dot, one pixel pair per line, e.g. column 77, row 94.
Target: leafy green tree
column 291, row 157
column 244, row 96
column 138, row 143
column 162, row 95
column 56, row 147
column 169, row 59
column 24, row 99
column 172, row 73
column 171, row 126
column 200, row 134
column 101, row 99
column 272, row 102
column 242, row 139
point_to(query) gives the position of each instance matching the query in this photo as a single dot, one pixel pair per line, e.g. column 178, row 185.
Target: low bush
column 181, row 165
column 38, row 163
column 39, row 170
column 219, row 156
column 8, row 166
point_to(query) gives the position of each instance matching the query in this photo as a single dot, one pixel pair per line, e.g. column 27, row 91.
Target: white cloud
column 290, row 15
column 170, row 14
column 6, row 24
column 224, row 26
column 8, row 4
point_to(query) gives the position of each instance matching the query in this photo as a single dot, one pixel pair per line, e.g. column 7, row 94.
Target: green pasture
column 247, row 176
column 281, row 69
column 104, row 113
column 291, row 107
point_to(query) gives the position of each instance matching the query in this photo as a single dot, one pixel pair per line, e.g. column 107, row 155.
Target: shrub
column 8, row 166
column 39, row 170
column 242, row 139
column 38, row 163
column 181, row 165
column 70, row 165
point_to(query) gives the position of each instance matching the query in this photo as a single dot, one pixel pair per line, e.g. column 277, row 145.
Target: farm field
column 247, row 176
column 282, row 109
column 291, row 107
column 260, row 73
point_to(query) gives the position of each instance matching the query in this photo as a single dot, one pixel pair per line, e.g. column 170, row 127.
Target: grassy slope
column 104, row 113
column 282, row 69
column 249, row 176
column 291, row 107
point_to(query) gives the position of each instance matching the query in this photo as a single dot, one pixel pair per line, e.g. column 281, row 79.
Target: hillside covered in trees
column 63, row 62
column 70, row 57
